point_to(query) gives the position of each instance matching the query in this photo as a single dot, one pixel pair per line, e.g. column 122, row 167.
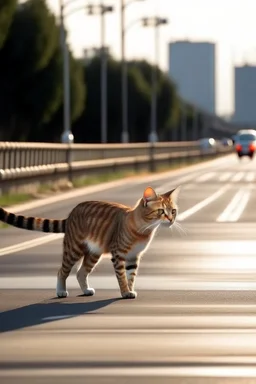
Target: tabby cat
column 97, row 227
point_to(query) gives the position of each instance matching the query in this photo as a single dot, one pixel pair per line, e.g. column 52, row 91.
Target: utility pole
column 125, row 133
column 154, row 22
column 66, row 136
column 101, row 10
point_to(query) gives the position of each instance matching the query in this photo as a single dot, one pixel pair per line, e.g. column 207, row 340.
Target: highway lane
column 195, row 315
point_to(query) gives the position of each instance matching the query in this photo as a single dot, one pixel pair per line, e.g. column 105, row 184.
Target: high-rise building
column 245, row 95
column 192, row 68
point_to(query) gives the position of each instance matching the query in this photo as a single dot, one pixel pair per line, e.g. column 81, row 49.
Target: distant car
column 242, row 131
column 226, row 142
column 245, row 144
column 208, row 145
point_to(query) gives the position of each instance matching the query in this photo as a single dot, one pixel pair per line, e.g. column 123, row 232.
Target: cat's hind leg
column 89, row 262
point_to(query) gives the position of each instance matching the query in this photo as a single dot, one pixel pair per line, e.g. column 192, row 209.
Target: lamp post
column 92, row 10
column 154, row 22
column 67, row 136
column 124, row 90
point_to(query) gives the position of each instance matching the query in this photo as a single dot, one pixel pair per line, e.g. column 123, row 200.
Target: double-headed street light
column 154, row 22
column 101, row 10
column 124, row 90
column 67, row 136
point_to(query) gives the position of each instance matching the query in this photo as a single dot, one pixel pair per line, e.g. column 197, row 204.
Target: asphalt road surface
column 194, row 320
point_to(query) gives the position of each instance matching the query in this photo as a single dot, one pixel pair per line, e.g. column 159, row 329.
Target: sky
column 228, row 23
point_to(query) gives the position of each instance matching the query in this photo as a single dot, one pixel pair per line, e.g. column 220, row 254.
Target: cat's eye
column 160, row 211
column 173, row 211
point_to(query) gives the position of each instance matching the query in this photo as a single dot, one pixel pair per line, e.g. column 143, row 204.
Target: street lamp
column 92, row 10
column 154, row 22
column 125, row 132
column 67, row 136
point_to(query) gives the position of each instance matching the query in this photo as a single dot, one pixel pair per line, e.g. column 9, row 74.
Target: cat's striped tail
column 32, row 223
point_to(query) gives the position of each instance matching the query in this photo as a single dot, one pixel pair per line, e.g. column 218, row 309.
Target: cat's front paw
column 129, row 295
column 89, row 292
column 62, row 293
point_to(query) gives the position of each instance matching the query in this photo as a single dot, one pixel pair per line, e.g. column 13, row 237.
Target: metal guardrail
column 27, row 161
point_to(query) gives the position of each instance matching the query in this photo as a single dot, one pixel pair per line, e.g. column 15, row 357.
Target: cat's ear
column 149, row 195
column 173, row 194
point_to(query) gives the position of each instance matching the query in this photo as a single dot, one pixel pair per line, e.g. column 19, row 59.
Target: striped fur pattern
column 94, row 228
column 32, row 223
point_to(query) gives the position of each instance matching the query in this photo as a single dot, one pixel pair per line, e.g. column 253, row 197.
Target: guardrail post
column 152, row 166
column 69, row 162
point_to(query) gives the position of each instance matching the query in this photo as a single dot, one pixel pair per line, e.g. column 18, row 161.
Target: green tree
column 31, row 75
column 54, row 128
column 42, row 98
column 25, row 57
column 88, row 127
column 33, row 37
column 7, row 9
column 78, row 88
column 167, row 98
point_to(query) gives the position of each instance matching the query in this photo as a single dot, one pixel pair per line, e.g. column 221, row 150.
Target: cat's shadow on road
column 48, row 311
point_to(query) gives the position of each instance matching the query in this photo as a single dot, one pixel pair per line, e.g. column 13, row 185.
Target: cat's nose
column 168, row 218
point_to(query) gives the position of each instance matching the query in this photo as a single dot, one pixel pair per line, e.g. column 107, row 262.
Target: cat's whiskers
column 181, row 230
column 154, row 224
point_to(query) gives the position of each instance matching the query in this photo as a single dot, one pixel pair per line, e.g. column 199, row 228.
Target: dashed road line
column 184, row 215
column 235, row 208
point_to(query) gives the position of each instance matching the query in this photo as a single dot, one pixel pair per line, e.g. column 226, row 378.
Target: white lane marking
column 182, row 216
column 167, row 186
column 142, row 371
column 146, row 331
column 30, row 244
column 225, row 176
column 206, row 176
column 238, row 176
column 230, row 207
column 217, row 307
column 250, row 176
column 235, row 208
column 241, row 317
column 107, row 282
column 190, row 177
column 191, row 321
column 240, row 207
